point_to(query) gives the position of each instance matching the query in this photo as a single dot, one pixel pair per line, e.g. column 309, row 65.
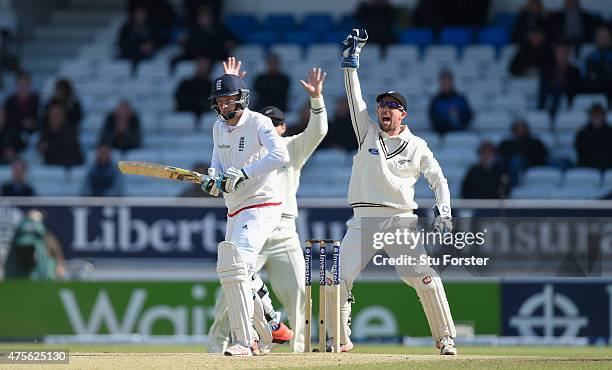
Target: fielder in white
column 388, row 163
column 247, row 153
column 282, row 256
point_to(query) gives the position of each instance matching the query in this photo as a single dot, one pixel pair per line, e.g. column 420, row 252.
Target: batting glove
column 351, row 47
column 232, row 180
column 209, row 185
column 443, row 222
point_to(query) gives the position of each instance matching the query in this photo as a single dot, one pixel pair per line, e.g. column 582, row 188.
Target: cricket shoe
column 238, row 350
column 281, row 334
column 343, row 347
column 446, row 345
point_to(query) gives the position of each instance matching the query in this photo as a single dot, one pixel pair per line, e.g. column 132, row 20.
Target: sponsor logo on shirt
column 241, row 144
column 223, row 146
column 373, row 151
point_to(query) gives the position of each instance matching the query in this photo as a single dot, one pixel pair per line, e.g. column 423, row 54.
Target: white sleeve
column 215, row 162
column 277, row 154
column 302, row 145
column 433, row 173
column 357, row 106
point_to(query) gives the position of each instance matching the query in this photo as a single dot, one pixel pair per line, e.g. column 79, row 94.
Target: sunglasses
column 389, row 104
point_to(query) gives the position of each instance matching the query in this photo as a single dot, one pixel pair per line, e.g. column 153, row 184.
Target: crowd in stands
column 549, row 45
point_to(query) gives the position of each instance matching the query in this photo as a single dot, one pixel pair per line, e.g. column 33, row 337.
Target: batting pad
column 236, row 284
column 260, row 322
column 433, row 298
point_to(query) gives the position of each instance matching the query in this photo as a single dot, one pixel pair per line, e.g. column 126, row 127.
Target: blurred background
column 512, row 96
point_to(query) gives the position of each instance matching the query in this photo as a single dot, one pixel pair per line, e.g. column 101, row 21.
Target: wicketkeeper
column 389, row 161
column 282, row 256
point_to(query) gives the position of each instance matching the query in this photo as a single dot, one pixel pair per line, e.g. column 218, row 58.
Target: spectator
column 572, row 23
column 59, row 143
column 35, row 252
column 192, row 94
column 161, row 15
column 103, row 178
column 272, row 86
column 534, row 55
column 122, row 128
column 485, row 180
column 379, row 17
column 18, row 186
column 303, row 116
column 190, row 9
column 12, row 141
column 336, row 137
column 442, row 13
column 594, row 140
column 64, row 94
column 562, row 79
column 532, row 15
column 22, row 107
column 522, row 151
column 449, row 110
column 138, row 38
column 195, row 190
column 206, row 39
column 598, row 66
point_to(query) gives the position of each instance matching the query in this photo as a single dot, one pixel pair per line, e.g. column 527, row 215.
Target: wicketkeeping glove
column 209, row 185
column 231, row 180
column 351, row 47
column 443, row 222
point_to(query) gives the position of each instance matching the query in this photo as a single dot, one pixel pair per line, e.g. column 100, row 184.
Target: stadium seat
column 263, row 37
column 582, row 176
column 346, row 23
column 495, row 36
column 506, row 54
column 468, row 141
column 418, row 36
column 289, row 54
column 318, row 22
column 334, row 37
column 303, row 38
column 456, row 36
column 531, row 192
column 438, row 55
column 583, row 102
column 515, row 103
column 479, row 54
column 241, row 24
column 570, row 122
column 548, row 176
column 93, row 122
column 607, row 178
column 155, row 70
column 402, row 53
column 45, row 174
column 495, row 120
column 279, row 22
column 585, row 51
column 184, row 69
column 576, row 192
column 117, row 69
column 538, row 121
column 178, row 122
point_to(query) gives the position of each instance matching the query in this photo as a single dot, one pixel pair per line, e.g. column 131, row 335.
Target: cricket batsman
column 388, row 163
column 282, row 255
column 246, row 155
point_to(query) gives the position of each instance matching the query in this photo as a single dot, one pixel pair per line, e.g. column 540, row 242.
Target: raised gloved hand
column 443, row 221
column 231, row 180
column 209, row 185
column 351, row 47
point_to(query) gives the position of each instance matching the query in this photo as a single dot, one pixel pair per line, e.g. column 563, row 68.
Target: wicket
column 335, row 294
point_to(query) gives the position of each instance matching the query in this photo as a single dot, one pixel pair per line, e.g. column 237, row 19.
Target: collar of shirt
column 404, row 135
column 241, row 120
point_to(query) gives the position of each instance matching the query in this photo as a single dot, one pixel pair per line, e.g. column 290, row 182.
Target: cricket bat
column 161, row 171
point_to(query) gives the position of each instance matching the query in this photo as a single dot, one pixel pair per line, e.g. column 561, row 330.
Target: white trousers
column 354, row 257
column 283, row 260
